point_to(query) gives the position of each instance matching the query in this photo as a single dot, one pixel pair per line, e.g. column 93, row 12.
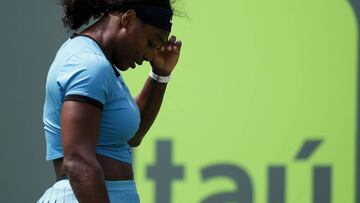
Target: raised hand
column 166, row 57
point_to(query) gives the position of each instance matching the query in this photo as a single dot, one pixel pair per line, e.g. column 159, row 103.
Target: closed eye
column 151, row 44
column 154, row 45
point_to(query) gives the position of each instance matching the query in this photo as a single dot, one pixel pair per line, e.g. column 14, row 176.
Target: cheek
column 139, row 48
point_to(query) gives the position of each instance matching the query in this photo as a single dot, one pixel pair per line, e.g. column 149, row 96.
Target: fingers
column 172, row 44
column 172, row 39
column 178, row 44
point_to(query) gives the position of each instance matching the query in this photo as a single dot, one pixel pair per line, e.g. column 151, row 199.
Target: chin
column 124, row 68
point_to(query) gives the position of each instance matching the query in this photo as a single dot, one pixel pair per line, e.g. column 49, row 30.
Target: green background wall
column 256, row 80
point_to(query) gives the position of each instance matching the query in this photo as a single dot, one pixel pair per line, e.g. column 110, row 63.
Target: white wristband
column 158, row 78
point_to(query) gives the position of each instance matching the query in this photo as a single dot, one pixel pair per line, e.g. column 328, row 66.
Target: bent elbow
column 135, row 142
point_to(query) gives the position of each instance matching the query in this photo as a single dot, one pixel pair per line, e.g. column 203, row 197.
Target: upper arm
column 80, row 123
column 84, row 82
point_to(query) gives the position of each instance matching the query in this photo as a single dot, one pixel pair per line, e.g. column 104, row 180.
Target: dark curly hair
column 79, row 12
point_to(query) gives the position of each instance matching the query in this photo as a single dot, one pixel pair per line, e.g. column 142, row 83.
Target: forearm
column 150, row 99
column 149, row 102
column 87, row 182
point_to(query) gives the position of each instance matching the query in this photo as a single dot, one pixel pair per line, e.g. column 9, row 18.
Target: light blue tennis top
column 81, row 72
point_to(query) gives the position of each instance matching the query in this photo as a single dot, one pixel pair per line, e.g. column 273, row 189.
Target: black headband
column 153, row 15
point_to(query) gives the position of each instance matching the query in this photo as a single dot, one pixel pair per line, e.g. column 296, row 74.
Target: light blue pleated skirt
column 119, row 192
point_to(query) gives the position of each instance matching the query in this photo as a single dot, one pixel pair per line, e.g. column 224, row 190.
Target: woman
column 85, row 92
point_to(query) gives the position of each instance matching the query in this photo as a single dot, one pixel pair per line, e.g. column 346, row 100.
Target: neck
column 103, row 32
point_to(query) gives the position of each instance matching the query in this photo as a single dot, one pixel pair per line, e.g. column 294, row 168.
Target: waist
column 113, row 169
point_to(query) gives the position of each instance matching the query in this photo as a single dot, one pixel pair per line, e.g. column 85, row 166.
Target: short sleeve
column 86, row 78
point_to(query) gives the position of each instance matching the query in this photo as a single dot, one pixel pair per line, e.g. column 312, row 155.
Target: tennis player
column 90, row 119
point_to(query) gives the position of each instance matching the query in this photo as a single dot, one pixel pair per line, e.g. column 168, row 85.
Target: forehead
column 155, row 33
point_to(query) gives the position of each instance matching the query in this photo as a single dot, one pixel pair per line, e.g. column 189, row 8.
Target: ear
column 128, row 18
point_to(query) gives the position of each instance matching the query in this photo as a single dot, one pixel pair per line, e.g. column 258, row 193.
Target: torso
column 113, row 169
column 120, row 116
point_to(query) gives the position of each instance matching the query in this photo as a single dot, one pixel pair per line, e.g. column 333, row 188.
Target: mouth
column 139, row 63
column 135, row 63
